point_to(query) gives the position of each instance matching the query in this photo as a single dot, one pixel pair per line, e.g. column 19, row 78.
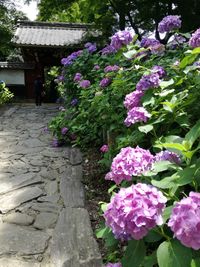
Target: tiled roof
column 46, row 34
column 16, row 65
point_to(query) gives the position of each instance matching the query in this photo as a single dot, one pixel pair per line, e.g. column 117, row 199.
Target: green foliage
column 5, row 94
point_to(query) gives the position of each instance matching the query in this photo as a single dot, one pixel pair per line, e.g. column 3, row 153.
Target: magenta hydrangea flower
column 147, row 42
column 77, row 77
column 148, row 81
column 130, row 162
column 85, row 84
column 185, row 221
column 195, row 39
column 168, row 155
column 133, row 99
column 105, row 82
column 136, row 114
column 104, row 148
column 169, row 23
column 109, row 49
column 111, row 68
column 96, row 67
column 159, row 70
column 134, row 211
column 121, row 38
column 64, row 130
column 113, row 265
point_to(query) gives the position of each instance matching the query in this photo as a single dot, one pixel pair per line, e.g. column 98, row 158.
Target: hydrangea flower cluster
column 84, row 84
column 96, row 67
column 147, row 42
column 133, row 99
column 136, row 114
column 113, row 265
column 105, row 82
column 130, row 161
column 134, row 211
column 148, row 81
column 70, row 59
column 157, row 49
column 90, row 47
column 55, row 143
column 195, row 39
column 64, row 130
column 77, row 77
column 74, row 102
column 109, row 49
column 168, row 155
column 111, row 68
column 169, row 23
column 121, row 38
column 104, row 148
column 185, row 221
column 159, row 70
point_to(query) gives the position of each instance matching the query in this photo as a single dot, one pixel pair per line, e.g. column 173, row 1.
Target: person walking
column 38, row 88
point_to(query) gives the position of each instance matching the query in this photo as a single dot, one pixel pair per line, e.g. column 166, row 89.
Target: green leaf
column 195, row 262
column 152, row 236
column 150, row 261
column 161, row 166
column 188, row 60
column 146, row 128
column 130, row 53
column 176, row 146
column 196, row 50
column 167, row 213
column 103, row 232
column 173, row 254
column 165, row 84
column 193, row 134
column 134, row 254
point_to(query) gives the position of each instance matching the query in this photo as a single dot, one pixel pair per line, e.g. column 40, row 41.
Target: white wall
column 12, row 76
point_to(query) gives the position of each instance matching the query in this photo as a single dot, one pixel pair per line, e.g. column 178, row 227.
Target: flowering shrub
column 5, row 94
column 154, row 90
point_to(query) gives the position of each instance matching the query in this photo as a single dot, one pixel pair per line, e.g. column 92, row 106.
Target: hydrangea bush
column 138, row 104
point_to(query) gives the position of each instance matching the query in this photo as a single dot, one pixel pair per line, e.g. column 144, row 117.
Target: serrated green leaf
column 188, row 60
column 146, row 128
column 165, row 84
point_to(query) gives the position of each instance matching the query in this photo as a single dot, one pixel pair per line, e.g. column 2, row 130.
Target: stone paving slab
column 43, row 222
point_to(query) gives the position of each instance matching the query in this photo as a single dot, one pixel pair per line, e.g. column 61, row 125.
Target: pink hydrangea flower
column 130, row 162
column 134, row 211
column 185, row 221
column 133, row 99
column 104, row 148
column 136, row 114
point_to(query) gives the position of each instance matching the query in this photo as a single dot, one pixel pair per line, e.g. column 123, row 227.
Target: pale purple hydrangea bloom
column 105, row 82
column 148, row 81
column 109, row 49
column 134, row 211
column 136, row 114
column 195, row 39
column 46, row 130
column 147, row 42
column 130, row 162
column 159, row 70
column 64, row 130
column 74, row 102
column 85, row 84
column 70, row 59
column 111, row 68
column 104, row 148
column 185, row 221
column 121, row 38
column 168, row 155
column 77, row 77
column 91, row 47
column 113, row 265
column 60, row 78
column 169, row 23
column 177, row 41
column 133, row 99
column 55, row 142
column 157, row 49
column 96, row 67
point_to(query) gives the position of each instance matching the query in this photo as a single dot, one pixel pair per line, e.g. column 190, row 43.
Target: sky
column 30, row 10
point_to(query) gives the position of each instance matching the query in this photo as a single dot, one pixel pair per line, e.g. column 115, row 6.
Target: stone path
column 43, row 222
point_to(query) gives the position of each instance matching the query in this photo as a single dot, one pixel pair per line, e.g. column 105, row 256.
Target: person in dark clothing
column 38, row 88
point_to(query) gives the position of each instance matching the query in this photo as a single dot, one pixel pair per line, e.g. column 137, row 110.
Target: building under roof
column 42, row 45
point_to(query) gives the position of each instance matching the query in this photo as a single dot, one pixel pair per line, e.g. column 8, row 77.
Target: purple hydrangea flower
column 133, row 99
column 109, row 49
column 105, row 82
column 121, row 38
column 169, row 23
column 55, row 142
column 91, row 47
column 85, row 84
column 148, row 81
column 46, row 130
column 178, row 40
column 147, row 42
column 96, row 67
column 64, row 130
column 157, row 49
column 77, row 77
column 111, row 68
column 134, row 211
column 104, row 148
column 195, row 39
column 185, row 221
column 113, row 265
column 74, row 102
column 70, row 59
column 60, row 78
column 130, row 162
column 136, row 114
column 159, row 70
column 167, row 155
